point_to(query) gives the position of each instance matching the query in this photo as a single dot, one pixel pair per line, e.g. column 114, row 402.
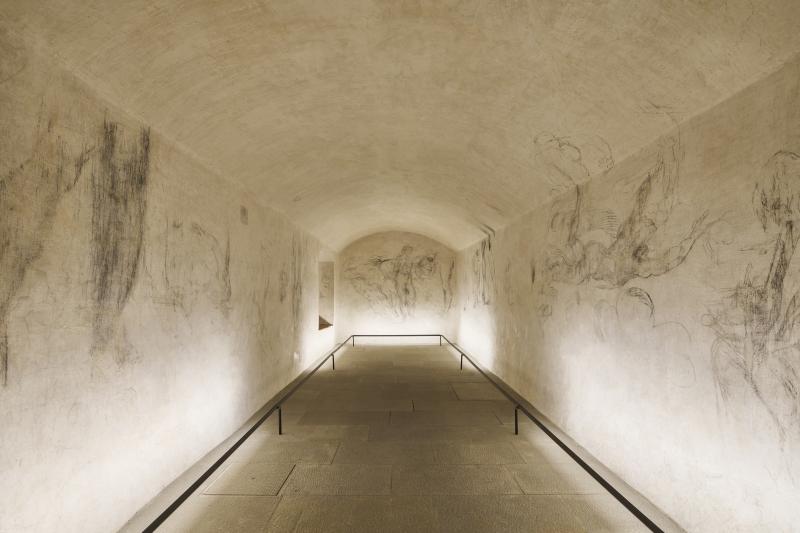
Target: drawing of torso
column 392, row 281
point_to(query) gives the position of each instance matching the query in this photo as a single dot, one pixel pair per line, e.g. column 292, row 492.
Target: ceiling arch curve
column 446, row 119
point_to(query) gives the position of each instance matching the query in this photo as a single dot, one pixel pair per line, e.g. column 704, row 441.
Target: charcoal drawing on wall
column 396, row 281
column 136, row 284
column 448, row 276
column 482, row 265
column 572, row 159
column 297, row 264
column 592, row 247
column 29, row 196
column 196, row 267
column 326, row 293
column 755, row 324
column 119, row 201
column 392, row 282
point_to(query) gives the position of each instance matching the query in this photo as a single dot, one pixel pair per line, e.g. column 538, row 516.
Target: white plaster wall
column 147, row 307
column 395, row 282
column 652, row 312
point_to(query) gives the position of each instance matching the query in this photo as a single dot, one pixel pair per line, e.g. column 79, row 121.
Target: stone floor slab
column 604, row 514
column 354, row 404
column 477, row 391
column 339, row 479
column 465, row 405
column 353, row 514
column 251, row 479
column 452, row 479
column 222, row 514
column 547, row 478
column 385, row 453
column 338, row 418
column 399, row 440
column 295, row 432
column 411, row 433
column 493, row 453
column 507, row 514
column 263, row 449
column 541, row 451
column 444, row 418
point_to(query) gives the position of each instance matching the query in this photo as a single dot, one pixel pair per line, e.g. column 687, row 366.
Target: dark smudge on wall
column 119, row 201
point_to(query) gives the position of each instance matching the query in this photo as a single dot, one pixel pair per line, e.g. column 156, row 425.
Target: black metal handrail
column 396, row 335
column 520, row 404
column 272, row 406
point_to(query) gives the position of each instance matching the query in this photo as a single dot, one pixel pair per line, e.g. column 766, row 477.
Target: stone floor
column 399, row 439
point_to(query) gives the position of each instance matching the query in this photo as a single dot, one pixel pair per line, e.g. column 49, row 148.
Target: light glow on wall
column 477, row 335
column 395, row 283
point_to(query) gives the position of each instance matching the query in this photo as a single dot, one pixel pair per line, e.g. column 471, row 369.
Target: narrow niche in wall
column 325, row 294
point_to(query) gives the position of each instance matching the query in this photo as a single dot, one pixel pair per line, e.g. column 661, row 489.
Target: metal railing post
column 273, row 405
column 512, row 396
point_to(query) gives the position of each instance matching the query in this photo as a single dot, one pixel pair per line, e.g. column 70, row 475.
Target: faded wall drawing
column 666, row 290
column 447, row 276
column 392, row 282
column 298, row 268
column 482, row 264
column 756, row 338
column 395, row 281
column 644, row 244
column 29, row 195
column 196, row 267
column 118, row 247
column 326, row 292
column 571, row 160
column 119, row 201
column 516, row 271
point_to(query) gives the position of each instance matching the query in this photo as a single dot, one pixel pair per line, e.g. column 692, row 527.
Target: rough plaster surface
column 407, row 115
column 147, row 307
column 395, row 282
column 657, row 284
column 326, row 290
column 653, row 312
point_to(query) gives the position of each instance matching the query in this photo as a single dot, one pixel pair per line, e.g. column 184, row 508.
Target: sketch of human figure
column 392, row 281
column 196, row 267
column 634, row 251
column 401, row 272
column 483, row 273
column 756, row 339
column 30, row 193
column 572, row 159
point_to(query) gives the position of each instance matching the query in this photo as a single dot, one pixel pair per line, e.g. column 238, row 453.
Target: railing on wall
column 274, row 405
column 520, row 404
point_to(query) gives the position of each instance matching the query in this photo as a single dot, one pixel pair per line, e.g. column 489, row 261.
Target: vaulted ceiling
column 446, row 118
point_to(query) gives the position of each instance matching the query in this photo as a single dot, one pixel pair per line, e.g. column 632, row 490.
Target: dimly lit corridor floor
column 399, row 439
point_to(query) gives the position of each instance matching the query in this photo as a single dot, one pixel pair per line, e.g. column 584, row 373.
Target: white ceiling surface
column 444, row 118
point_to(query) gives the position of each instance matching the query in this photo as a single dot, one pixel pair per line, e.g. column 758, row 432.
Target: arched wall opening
column 395, row 283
